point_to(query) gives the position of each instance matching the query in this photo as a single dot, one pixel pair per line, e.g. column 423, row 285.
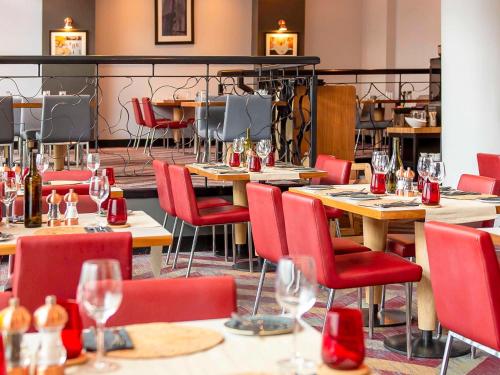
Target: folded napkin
column 457, row 193
column 389, row 203
column 114, row 339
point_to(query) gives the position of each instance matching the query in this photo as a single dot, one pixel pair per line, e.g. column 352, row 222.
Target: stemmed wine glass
column 8, row 193
column 42, row 163
column 423, row 166
column 238, row 145
column 437, row 172
column 380, row 163
column 296, row 292
column 93, row 162
column 264, row 149
column 99, row 192
column 99, row 294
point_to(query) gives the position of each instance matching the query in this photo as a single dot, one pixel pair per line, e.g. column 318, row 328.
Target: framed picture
column 281, row 44
column 68, row 43
column 174, row 21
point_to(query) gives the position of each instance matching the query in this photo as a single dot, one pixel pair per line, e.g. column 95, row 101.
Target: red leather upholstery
column 139, row 120
column 181, row 300
column 268, row 224
column 206, row 202
column 307, row 234
column 74, row 175
column 489, row 165
column 479, row 184
column 465, row 277
column 85, row 205
column 149, row 116
column 401, row 244
column 187, row 208
column 343, row 246
column 4, row 299
column 172, row 124
column 51, row 264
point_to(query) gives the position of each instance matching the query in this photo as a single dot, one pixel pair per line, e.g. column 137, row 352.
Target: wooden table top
column 146, row 231
column 171, row 103
column 410, row 130
column 495, row 234
column 395, row 101
column 211, row 175
column 27, row 105
column 192, row 104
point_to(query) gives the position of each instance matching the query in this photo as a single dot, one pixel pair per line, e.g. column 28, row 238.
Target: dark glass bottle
column 33, row 196
column 395, row 164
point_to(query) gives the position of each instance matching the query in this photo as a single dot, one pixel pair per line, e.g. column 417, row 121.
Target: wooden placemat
column 60, row 230
column 126, row 225
column 325, row 370
column 162, row 340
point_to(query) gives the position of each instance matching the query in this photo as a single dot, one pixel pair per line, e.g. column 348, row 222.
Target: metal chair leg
column 259, row 288
column 250, row 247
column 360, row 298
column 213, row 239
column 472, row 352
column 165, row 220
column 152, row 141
column 178, row 246
column 382, row 302
column 337, row 228
column 225, row 243
column 195, row 239
column 446, row 355
column 171, row 246
column 370, row 312
column 409, row 291
column 331, row 296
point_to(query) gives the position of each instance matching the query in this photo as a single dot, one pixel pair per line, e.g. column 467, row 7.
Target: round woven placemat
column 60, row 230
column 161, row 340
column 325, row 370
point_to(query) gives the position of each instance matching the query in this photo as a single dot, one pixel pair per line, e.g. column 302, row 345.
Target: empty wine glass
column 263, row 149
column 238, row 145
column 42, row 163
column 8, row 193
column 296, row 292
column 423, row 165
column 437, row 172
column 380, row 162
column 99, row 294
column 93, row 162
column 99, row 192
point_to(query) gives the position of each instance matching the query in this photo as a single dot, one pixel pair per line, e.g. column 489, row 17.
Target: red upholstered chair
column 268, row 230
column 186, row 208
column 139, row 120
column 489, row 165
column 166, row 199
column 307, row 234
column 197, row 298
column 51, row 264
column 338, row 174
column 73, row 175
column 465, row 277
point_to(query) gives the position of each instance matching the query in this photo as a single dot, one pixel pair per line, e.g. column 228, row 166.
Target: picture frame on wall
column 282, row 44
column 68, row 43
column 174, row 21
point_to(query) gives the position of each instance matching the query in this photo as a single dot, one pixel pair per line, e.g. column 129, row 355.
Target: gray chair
column 365, row 122
column 215, row 119
column 30, row 122
column 7, row 124
column 65, row 121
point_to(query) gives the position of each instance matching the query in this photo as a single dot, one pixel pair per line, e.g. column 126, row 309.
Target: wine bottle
column 33, row 196
column 247, row 147
column 394, row 165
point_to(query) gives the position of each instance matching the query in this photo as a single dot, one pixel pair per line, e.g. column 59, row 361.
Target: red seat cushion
column 374, row 268
column 162, row 123
column 333, row 213
column 343, row 246
column 401, row 244
column 206, row 202
column 223, row 215
column 178, row 124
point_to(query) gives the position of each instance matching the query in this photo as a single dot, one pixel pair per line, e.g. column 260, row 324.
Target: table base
column 385, row 318
column 425, row 346
column 244, row 265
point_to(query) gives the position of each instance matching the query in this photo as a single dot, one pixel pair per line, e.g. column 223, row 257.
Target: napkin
column 114, row 339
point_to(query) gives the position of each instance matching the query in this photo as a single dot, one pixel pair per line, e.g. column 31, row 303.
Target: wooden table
column 146, row 232
column 239, row 181
column 495, row 234
column 375, row 224
column 394, row 130
column 177, row 113
column 191, row 104
column 395, row 101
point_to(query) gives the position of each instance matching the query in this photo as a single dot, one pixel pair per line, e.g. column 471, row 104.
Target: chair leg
column 337, row 228
column 472, row 352
column 360, row 298
column 382, row 302
column 147, row 140
column 331, row 296
column 213, row 239
column 165, row 220
column 233, row 228
column 225, row 243
column 259, row 288
column 250, row 247
column 152, row 141
column 195, row 239
column 171, row 246
column 446, row 355
column 409, row 291
column 178, row 246
column 370, row 312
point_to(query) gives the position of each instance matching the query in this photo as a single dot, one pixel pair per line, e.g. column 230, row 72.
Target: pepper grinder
column 15, row 322
column 49, row 320
column 71, row 214
column 54, row 200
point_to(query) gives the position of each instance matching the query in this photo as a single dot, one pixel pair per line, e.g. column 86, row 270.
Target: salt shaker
column 15, row 322
column 49, row 320
column 71, row 214
column 54, row 200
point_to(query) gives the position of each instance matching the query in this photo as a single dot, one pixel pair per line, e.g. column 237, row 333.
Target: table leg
column 156, row 257
column 240, row 199
column 177, row 116
column 59, row 154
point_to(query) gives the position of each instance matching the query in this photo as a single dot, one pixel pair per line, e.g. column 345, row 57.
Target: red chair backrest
column 51, row 264
column 465, row 276
column 196, row 298
column 338, row 170
column 479, row 184
column 139, row 120
column 163, row 186
column 149, row 115
column 186, row 207
column 307, row 233
column 82, row 175
column 268, row 224
column 85, row 205
column 489, row 165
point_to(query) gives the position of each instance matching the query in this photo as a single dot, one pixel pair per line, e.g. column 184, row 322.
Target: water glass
column 42, row 163
column 343, row 346
column 263, row 149
column 431, row 195
column 110, row 174
column 377, row 184
column 380, row 164
column 254, row 164
column 295, row 286
column 93, row 162
column 423, row 166
column 235, row 160
column 99, row 294
column 8, row 194
column 99, row 191
column 117, row 211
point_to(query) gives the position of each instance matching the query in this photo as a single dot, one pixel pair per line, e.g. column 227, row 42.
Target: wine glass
column 99, row 192
column 42, row 163
column 93, row 162
column 263, row 149
column 423, row 165
column 296, row 292
column 437, row 172
column 99, row 294
column 238, row 145
column 380, row 162
column 8, row 193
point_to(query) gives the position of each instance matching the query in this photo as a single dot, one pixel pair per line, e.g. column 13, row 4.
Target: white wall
column 471, row 83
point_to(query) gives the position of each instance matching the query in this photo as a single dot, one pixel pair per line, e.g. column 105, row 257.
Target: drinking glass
column 423, row 166
column 117, row 211
column 380, row 163
column 8, row 193
column 430, row 194
column 254, row 164
column 99, row 192
column 110, row 174
column 295, row 287
column 93, row 162
column 343, row 345
column 42, row 163
column 99, row 295
column 263, row 149
column 237, row 150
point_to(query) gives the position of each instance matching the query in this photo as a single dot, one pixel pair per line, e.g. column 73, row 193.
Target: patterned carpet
column 379, row 359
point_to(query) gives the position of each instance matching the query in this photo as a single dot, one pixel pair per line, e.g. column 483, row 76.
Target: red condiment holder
column 377, row 184
column 430, row 194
